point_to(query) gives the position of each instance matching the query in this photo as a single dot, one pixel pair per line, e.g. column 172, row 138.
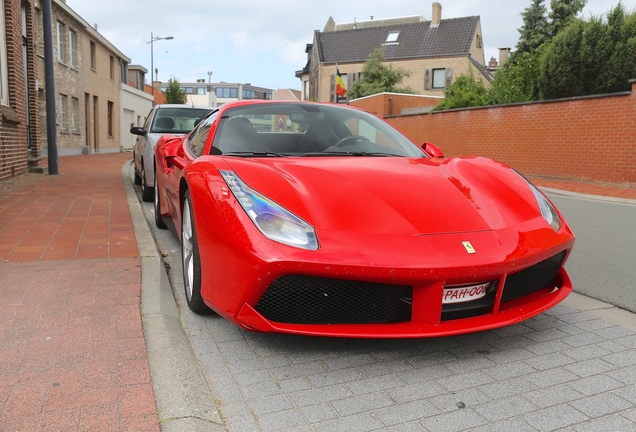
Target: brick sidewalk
column 72, row 351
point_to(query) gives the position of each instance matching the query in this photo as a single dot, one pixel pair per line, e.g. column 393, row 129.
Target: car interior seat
column 238, row 134
column 164, row 123
column 320, row 135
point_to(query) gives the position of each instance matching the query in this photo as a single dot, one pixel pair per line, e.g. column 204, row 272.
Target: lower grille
column 532, row 279
column 299, row 299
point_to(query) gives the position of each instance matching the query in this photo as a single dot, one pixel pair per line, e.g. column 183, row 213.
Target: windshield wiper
column 254, row 154
column 352, row 154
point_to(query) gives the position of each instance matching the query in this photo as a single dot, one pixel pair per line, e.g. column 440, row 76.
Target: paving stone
column 550, row 396
column 456, row 421
column 601, row 405
column 512, row 406
column 554, row 418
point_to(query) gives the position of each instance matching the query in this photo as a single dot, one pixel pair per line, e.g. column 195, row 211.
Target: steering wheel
column 341, row 143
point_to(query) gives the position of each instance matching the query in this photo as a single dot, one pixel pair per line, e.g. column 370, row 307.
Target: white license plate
column 465, row 293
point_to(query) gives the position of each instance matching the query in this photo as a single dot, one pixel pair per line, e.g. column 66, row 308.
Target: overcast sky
column 263, row 43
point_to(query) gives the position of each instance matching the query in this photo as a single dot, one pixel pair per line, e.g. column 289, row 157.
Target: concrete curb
column 605, row 311
column 615, row 200
column 182, row 396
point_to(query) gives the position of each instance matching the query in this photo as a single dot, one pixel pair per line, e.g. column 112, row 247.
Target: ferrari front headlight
column 274, row 221
column 548, row 211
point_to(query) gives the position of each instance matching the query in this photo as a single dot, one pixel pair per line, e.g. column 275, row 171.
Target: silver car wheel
column 187, row 249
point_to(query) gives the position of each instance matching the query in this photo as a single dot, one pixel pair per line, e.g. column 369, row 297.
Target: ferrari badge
column 469, row 248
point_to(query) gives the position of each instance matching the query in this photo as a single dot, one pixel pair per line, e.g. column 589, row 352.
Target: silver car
column 162, row 120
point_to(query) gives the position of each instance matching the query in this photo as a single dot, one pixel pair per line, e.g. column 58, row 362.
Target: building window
column 72, row 49
column 439, row 78
column 38, row 31
column 268, row 96
column 392, row 37
column 93, row 56
column 227, row 92
column 110, row 118
column 200, row 90
column 75, row 115
column 189, row 90
column 62, row 116
column 478, row 41
column 4, row 71
column 249, row 94
column 112, row 67
column 61, row 52
column 123, row 71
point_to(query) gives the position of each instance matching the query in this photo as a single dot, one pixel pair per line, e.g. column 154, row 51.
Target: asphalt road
column 603, row 261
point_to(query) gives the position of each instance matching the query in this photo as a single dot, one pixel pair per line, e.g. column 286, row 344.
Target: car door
column 141, row 141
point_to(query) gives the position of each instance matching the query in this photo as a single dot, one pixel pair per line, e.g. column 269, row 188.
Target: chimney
column 504, row 53
column 437, row 14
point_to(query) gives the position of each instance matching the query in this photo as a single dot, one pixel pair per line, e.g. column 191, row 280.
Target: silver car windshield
column 177, row 120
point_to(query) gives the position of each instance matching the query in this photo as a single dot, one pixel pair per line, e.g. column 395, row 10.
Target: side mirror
column 136, row 130
column 432, row 150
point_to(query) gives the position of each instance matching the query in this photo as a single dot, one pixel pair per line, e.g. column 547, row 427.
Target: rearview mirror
column 136, row 130
column 432, row 150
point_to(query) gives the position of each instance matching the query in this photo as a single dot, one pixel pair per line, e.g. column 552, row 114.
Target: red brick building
column 19, row 134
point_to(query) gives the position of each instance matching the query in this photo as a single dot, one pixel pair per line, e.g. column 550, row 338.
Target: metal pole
column 152, row 63
column 49, row 83
column 152, row 68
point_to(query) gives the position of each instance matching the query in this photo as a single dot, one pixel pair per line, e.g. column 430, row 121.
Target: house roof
column 415, row 40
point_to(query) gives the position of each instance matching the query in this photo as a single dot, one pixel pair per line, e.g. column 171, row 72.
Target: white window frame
column 72, row 48
column 439, row 77
column 392, row 37
column 62, row 112
column 61, row 52
column 4, row 68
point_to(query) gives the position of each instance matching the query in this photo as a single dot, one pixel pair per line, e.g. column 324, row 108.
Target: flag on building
column 341, row 89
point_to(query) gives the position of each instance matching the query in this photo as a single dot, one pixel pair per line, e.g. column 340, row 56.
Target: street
column 565, row 368
column 602, row 261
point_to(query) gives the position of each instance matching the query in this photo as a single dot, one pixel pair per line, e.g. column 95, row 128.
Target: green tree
column 563, row 12
column 377, row 77
column 591, row 57
column 174, row 94
column 535, row 30
column 466, row 91
column 518, row 79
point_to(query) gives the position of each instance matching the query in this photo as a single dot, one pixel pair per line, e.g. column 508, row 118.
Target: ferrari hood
column 393, row 195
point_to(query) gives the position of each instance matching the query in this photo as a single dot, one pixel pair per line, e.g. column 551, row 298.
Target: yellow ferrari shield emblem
column 469, row 248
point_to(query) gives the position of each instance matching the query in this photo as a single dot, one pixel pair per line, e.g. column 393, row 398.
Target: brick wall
column 388, row 104
column 589, row 139
column 14, row 150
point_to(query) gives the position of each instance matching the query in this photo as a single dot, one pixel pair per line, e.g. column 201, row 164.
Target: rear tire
column 158, row 219
column 191, row 259
column 147, row 193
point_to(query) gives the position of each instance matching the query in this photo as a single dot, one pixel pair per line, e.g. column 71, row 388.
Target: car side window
column 199, row 135
column 146, row 126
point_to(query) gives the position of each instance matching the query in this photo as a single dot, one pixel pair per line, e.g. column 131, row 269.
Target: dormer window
column 392, row 37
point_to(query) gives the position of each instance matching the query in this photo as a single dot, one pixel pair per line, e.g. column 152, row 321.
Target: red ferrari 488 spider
column 322, row 219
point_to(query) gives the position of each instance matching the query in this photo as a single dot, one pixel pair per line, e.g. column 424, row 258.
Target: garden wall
column 590, row 139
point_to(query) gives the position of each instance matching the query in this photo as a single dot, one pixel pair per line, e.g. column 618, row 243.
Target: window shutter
column 427, row 79
column 449, row 77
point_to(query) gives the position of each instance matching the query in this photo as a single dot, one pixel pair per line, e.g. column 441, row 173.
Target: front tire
column 137, row 176
column 158, row 219
column 146, row 192
column 191, row 259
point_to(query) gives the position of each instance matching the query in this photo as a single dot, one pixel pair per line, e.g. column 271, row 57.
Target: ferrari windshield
column 308, row 129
